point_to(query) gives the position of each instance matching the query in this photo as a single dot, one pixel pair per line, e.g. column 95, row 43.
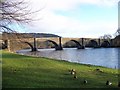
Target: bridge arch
column 92, row 43
column 105, row 44
column 57, row 47
column 31, row 46
column 79, row 46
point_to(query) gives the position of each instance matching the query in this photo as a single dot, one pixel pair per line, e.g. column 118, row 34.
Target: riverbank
column 21, row 71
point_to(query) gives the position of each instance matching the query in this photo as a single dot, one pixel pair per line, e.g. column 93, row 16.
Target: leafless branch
column 14, row 12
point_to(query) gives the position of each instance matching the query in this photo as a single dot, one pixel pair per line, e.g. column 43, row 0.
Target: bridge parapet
column 64, row 40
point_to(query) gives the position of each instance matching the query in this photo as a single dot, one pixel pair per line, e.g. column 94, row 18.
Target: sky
column 74, row 18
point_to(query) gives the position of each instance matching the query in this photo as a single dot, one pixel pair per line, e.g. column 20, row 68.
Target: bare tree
column 14, row 12
column 118, row 32
column 106, row 37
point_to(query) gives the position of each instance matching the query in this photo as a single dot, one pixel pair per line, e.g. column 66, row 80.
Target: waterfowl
column 108, row 83
column 75, row 76
column 73, row 72
column 85, row 81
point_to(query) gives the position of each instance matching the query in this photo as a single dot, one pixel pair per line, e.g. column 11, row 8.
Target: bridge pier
column 59, row 48
column 111, row 42
column 60, row 45
column 34, row 46
column 34, row 49
column 99, row 42
column 82, row 47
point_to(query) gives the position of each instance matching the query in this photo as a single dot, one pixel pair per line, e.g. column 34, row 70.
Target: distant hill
column 39, row 35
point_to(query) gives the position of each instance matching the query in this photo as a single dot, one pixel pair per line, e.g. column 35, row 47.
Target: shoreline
column 64, row 60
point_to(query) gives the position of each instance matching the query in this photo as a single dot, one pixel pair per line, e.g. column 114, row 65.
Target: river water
column 107, row 57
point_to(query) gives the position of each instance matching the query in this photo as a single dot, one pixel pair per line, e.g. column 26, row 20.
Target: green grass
column 34, row 72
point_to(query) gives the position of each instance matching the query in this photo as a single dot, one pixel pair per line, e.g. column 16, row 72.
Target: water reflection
column 107, row 57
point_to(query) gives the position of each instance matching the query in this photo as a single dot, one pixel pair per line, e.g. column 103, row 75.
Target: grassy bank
column 34, row 72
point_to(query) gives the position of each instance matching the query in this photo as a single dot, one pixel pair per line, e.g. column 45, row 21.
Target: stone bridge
column 58, row 43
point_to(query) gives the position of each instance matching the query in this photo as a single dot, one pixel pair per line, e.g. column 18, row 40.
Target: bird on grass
column 14, row 70
column 75, row 76
column 85, row 82
column 108, row 83
column 73, row 72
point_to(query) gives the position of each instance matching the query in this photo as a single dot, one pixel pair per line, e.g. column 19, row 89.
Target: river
column 107, row 57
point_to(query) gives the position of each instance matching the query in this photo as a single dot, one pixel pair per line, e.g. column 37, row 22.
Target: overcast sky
column 75, row 18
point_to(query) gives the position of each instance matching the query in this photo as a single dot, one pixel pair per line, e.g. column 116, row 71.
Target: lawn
column 21, row 71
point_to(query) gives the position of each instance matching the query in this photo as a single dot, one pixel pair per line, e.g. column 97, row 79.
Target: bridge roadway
column 33, row 43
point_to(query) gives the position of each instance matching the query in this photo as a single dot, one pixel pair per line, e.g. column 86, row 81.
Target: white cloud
column 67, row 26
column 69, row 4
